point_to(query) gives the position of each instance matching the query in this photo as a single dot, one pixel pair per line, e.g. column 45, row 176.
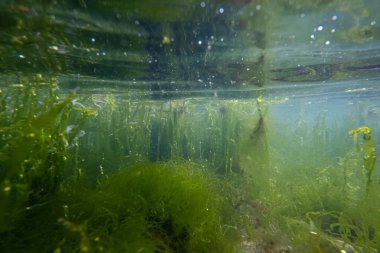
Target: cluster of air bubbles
column 339, row 28
column 323, row 30
column 208, row 42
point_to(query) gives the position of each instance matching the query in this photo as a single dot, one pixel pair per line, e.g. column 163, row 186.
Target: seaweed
column 160, row 207
column 183, row 175
column 369, row 151
column 33, row 148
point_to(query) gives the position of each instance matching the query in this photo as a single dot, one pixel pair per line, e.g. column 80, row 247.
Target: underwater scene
column 190, row 126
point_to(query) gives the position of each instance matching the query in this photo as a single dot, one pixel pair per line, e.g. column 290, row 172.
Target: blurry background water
column 307, row 58
column 202, row 79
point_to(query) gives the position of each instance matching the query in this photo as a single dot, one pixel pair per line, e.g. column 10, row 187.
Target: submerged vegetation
column 113, row 174
column 33, row 147
column 189, row 126
column 35, row 140
column 47, row 206
column 369, row 151
column 159, row 207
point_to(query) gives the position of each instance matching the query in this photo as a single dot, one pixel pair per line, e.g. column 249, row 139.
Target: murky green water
column 189, row 126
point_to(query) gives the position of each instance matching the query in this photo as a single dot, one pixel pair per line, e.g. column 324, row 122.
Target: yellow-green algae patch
column 161, row 207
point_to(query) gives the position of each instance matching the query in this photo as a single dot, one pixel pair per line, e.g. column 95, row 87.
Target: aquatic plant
column 162, row 207
column 314, row 202
column 35, row 136
column 316, row 214
column 369, row 151
column 128, row 130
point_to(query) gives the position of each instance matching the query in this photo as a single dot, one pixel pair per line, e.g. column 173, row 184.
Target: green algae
column 33, row 148
column 46, row 205
column 156, row 208
column 160, row 207
column 170, row 176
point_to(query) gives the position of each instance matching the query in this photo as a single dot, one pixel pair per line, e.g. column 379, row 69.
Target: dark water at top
column 192, row 48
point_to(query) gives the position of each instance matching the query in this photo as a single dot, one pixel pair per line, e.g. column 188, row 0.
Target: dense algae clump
column 147, row 208
column 154, row 208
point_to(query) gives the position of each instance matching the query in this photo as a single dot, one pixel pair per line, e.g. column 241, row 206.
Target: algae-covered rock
column 154, row 208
